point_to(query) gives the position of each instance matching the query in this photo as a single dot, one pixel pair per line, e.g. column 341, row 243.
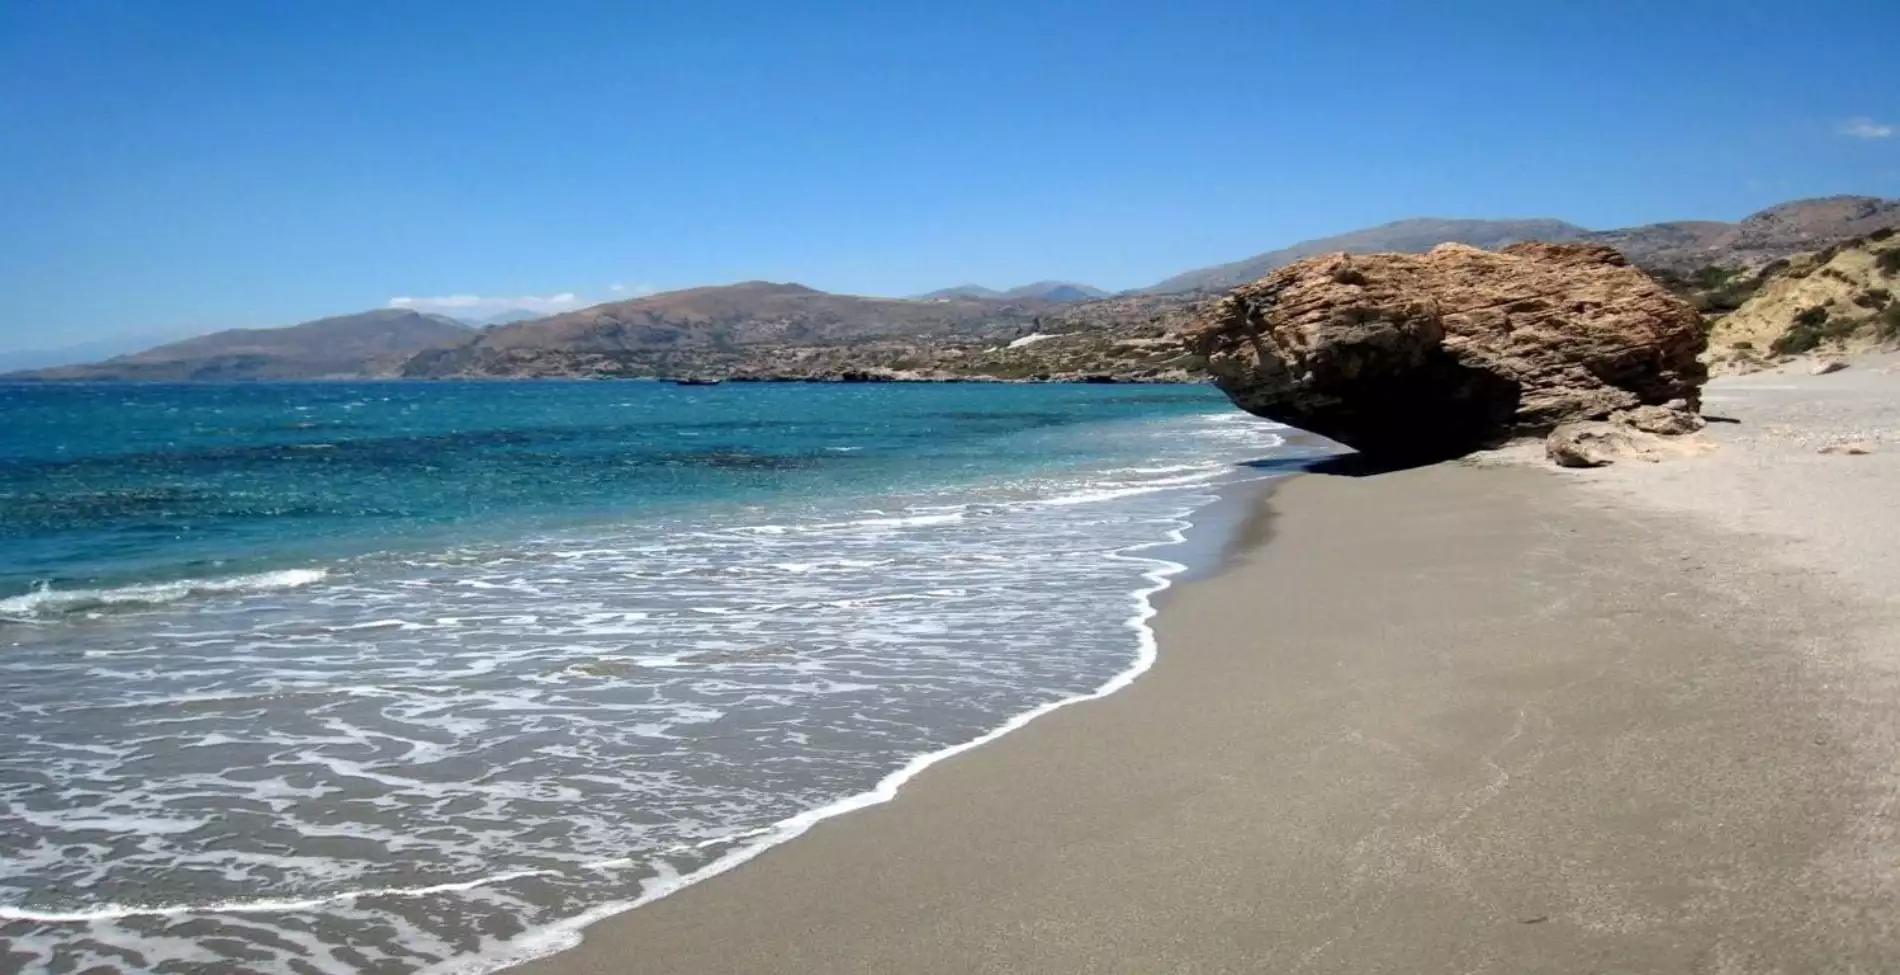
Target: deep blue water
column 105, row 485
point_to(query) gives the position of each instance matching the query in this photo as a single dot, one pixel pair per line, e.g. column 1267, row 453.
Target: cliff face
column 1427, row 356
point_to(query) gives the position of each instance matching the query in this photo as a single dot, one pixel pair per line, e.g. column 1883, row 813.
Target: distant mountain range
column 735, row 328
column 1768, row 235
column 363, row 344
column 1776, row 232
column 1418, row 234
column 1039, row 291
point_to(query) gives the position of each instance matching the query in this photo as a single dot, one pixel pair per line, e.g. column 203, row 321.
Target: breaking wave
column 46, row 601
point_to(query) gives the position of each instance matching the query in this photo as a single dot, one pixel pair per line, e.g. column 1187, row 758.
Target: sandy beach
column 1474, row 717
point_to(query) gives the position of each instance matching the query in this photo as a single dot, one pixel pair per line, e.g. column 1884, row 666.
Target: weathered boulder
column 1423, row 356
column 1595, row 443
column 1591, row 444
column 1672, row 419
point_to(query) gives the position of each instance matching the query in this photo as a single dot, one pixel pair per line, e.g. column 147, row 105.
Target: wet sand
column 1452, row 719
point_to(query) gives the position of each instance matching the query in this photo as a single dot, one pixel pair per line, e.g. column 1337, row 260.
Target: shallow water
column 571, row 673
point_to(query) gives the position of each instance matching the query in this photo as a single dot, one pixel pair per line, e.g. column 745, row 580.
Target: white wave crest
column 47, row 601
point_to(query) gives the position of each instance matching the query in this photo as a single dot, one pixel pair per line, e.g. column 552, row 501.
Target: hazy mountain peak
column 507, row 316
column 1039, row 291
column 960, row 291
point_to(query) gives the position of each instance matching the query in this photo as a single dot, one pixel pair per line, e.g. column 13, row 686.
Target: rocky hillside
column 715, row 329
column 1682, row 247
column 759, row 330
column 346, row 346
column 1772, row 234
column 1843, row 298
column 1405, row 236
column 1132, row 338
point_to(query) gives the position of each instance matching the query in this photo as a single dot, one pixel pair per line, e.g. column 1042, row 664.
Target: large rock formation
column 1423, row 356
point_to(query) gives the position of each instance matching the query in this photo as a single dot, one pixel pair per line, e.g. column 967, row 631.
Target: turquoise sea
column 396, row 677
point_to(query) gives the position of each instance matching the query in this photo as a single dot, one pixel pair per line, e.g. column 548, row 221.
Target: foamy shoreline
column 1449, row 719
column 1201, row 545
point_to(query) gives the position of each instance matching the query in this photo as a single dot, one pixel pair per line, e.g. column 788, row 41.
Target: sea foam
column 46, row 601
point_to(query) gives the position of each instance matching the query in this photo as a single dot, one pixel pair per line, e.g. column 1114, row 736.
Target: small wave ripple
column 45, row 601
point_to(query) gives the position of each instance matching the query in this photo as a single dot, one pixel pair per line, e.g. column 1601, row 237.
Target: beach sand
column 1462, row 718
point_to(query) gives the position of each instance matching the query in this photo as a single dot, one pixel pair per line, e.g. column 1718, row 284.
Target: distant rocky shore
column 1810, row 276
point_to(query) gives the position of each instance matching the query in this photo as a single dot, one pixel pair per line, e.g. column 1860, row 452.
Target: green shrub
column 1712, row 276
column 1875, row 298
column 1881, row 234
column 1795, row 341
column 1888, row 323
column 1744, row 346
column 1671, row 280
column 1726, row 298
column 1888, row 262
column 1809, row 329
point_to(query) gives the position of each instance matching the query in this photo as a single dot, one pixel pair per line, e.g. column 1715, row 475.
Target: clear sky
column 187, row 165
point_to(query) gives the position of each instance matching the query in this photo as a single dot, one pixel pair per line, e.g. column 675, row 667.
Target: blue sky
column 190, row 165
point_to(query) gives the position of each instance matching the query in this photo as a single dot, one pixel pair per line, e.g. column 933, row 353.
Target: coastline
column 1205, row 542
column 952, row 559
column 1446, row 719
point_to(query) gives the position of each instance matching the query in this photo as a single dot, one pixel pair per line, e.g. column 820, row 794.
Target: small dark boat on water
column 696, row 382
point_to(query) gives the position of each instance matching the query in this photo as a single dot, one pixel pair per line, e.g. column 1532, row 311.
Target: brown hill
column 1839, row 300
column 345, row 346
column 1130, row 338
column 1777, row 232
column 713, row 329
